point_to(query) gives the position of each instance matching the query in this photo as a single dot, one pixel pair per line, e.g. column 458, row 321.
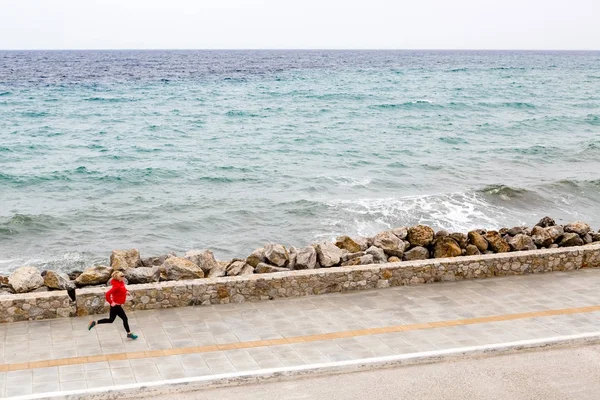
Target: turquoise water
column 168, row 151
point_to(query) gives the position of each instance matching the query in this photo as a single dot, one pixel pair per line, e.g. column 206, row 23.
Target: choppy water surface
column 168, row 151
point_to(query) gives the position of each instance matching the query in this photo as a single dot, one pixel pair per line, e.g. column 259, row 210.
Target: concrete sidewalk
column 62, row 355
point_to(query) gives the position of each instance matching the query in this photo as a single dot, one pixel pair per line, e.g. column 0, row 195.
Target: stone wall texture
column 258, row 287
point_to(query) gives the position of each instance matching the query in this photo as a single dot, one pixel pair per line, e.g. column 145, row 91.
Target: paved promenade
column 62, row 355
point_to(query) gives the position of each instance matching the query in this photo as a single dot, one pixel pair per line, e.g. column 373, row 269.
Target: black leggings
column 114, row 312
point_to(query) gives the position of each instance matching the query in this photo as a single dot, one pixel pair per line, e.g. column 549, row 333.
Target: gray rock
column 367, row 259
column 277, row 254
column 25, row 279
column 378, row 254
column 350, row 256
column 521, row 242
column 122, row 259
column 401, row 232
column 263, row 268
column 156, row 261
column 247, row 270
column 58, row 280
column 420, row 235
column 546, row 222
column 306, row 258
column 179, row 268
column 218, row 271
column 143, row 274
column 541, row 237
column 441, row 233
column 293, row 257
column 257, row 257
column 517, row 230
column 328, row 254
column 570, row 239
column 587, row 239
column 472, row 250
column 477, row 240
column 580, row 228
column 416, row 253
column 445, row 247
column 205, row 259
column 389, row 243
column 346, row 242
column 461, row 239
column 97, row 275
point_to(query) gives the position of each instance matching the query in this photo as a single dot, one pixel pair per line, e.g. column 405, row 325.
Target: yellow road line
column 294, row 339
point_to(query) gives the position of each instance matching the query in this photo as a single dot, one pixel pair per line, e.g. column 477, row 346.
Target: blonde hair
column 117, row 274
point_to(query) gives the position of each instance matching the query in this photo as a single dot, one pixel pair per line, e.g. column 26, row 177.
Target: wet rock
column 257, row 257
column 541, row 237
column 580, row 228
column 179, row 268
column 461, row 239
column 546, row 222
column 277, row 254
column 97, row 275
column 328, row 254
column 263, row 268
column 472, row 250
column 389, row 243
column 204, row 259
column 143, row 274
column 378, row 254
column 445, row 247
column 25, row 279
column 416, row 253
column 420, row 235
column 346, row 242
column 401, row 232
column 496, row 243
column 122, row 259
column 570, row 239
column 58, row 281
column 306, row 258
column 477, row 240
column 521, row 242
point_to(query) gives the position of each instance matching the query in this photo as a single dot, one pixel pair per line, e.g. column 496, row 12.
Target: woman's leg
column 121, row 313
column 111, row 318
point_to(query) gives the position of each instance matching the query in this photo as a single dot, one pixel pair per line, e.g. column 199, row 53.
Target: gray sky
column 339, row 24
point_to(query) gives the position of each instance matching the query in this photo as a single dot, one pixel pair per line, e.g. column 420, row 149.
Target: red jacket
column 117, row 294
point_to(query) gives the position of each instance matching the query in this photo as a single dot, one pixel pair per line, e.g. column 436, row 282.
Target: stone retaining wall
column 299, row 283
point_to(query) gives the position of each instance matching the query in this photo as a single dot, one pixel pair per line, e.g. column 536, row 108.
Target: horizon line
column 299, row 49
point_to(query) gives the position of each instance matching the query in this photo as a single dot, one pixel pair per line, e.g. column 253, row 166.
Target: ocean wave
column 5, row 93
column 240, row 113
column 417, row 104
column 503, row 191
column 19, row 224
column 110, row 99
column 453, row 140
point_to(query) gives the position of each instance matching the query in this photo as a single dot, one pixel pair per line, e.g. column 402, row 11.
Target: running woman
column 116, row 296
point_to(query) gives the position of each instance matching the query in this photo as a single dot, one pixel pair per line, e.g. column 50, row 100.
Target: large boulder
column 236, row 267
column 218, row 271
column 546, row 222
column 247, row 270
column 477, row 240
column 364, row 260
column 328, row 254
column 461, row 239
column 347, row 243
column 306, row 258
column 389, row 243
column 472, row 250
column 496, row 243
column 420, row 235
column 516, row 230
column 25, row 279
column 143, row 274
column 580, row 228
column 156, row 261
column 120, row 260
column 377, row 253
column 416, row 253
column 96, row 275
column 179, row 268
column 401, row 232
column 521, row 242
column 58, row 280
column 257, row 257
column 541, row 237
column 445, row 247
column 264, row 268
column 277, row 254
column 555, row 232
column 363, row 242
column 205, row 259
column 570, row 239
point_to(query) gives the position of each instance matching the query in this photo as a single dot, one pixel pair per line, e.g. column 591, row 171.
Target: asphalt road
column 561, row 374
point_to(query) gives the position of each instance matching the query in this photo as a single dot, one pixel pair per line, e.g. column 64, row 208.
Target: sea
column 167, row 151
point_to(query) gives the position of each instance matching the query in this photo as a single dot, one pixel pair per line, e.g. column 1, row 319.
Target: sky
column 300, row 24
